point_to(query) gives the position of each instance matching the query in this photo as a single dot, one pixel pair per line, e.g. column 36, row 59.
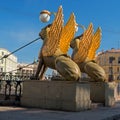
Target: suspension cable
column 20, row 67
column 5, row 56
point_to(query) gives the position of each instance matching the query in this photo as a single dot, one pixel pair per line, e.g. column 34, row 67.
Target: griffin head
column 44, row 31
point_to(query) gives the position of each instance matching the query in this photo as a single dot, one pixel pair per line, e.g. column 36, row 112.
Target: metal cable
column 20, row 67
column 5, row 56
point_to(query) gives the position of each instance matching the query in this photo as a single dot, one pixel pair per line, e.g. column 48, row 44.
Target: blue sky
column 19, row 22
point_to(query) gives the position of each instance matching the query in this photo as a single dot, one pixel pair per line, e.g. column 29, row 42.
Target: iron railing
column 11, row 87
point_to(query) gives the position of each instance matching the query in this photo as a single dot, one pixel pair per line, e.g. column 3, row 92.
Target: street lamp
column 45, row 15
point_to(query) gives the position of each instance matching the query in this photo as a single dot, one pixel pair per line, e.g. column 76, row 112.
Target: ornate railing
column 11, row 87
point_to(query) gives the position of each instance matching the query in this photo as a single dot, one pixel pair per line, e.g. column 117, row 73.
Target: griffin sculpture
column 84, row 50
column 56, row 42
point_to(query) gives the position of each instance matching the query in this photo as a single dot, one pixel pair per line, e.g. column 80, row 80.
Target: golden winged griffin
column 58, row 38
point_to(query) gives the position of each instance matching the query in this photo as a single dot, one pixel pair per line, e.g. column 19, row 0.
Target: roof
column 109, row 51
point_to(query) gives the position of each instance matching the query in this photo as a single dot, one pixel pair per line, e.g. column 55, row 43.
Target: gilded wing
column 67, row 34
column 53, row 36
column 95, row 44
column 84, row 45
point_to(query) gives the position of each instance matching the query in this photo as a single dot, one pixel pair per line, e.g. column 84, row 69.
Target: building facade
column 26, row 70
column 8, row 64
column 110, row 61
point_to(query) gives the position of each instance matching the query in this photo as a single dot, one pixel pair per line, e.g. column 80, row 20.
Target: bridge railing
column 11, row 87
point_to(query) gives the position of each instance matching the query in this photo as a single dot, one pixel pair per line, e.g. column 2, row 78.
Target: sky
column 19, row 22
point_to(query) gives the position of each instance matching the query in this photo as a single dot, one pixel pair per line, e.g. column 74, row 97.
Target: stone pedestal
column 101, row 92
column 59, row 95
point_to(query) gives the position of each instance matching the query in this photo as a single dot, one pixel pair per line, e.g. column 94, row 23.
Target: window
column 1, row 69
column 118, row 78
column 2, row 53
column 110, row 70
column 110, row 78
column 118, row 60
column 118, row 69
column 111, row 59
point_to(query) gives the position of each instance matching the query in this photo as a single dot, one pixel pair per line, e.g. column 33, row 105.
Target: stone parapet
column 101, row 92
column 59, row 95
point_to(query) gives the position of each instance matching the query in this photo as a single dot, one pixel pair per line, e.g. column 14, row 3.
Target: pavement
column 22, row 113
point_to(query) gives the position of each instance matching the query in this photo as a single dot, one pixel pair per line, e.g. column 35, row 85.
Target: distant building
column 26, row 70
column 8, row 64
column 110, row 61
column 55, row 73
